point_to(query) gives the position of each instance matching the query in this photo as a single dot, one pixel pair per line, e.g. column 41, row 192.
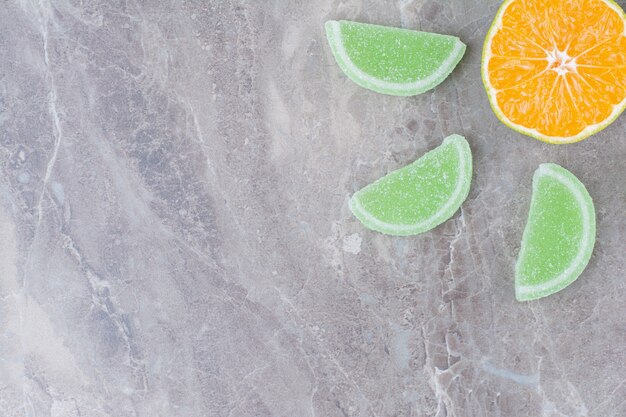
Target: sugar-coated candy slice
column 420, row 196
column 393, row 61
column 559, row 235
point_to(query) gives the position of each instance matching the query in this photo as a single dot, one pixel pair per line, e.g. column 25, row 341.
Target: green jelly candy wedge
column 420, row 196
column 559, row 236
column 390, row 60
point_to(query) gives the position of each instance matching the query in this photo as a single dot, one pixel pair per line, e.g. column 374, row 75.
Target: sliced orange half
column 556, row 69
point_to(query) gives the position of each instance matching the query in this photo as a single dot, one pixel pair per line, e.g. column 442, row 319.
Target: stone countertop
column 176, row 239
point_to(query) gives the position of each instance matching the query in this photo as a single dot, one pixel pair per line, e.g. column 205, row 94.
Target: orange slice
column 556, row 69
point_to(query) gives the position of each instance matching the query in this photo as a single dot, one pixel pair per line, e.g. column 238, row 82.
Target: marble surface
column 176, row 240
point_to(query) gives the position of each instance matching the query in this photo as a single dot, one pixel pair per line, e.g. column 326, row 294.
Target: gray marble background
column 175, row 238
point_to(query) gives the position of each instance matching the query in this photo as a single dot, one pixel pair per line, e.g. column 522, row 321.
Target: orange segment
column 510, row 72
column 556, row 70
column 508, row 43
column 610, row 53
